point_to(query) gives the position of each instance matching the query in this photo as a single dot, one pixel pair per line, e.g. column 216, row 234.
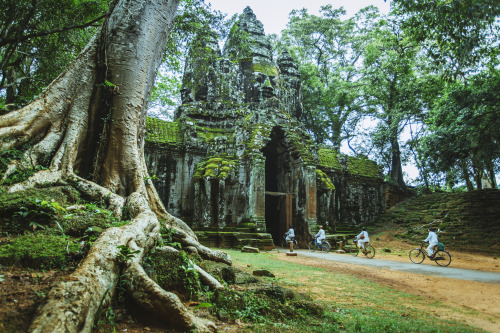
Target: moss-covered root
column 162, row 304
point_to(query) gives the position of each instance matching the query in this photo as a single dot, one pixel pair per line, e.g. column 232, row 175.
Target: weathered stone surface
column 250, row 249
column 237, row 163
column 263, row 272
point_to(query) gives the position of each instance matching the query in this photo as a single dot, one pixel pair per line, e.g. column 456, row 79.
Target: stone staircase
column 342, row 234
column 234, row 237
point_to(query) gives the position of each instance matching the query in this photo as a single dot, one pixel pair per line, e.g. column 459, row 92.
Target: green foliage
column 458, row 34
column 328, row 50
column 464, row 136
column 39, row 251
column 125, row 253
column 42, row 37
column 393, row 92
column 167, row 237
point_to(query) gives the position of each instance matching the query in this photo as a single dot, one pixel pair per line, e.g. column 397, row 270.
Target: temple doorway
column 278, row 213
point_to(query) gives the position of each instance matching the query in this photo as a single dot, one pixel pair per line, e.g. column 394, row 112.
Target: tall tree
column 329, row 52
column 464, row 139
column 392, row 90
column 91, row 119
column 462, row 38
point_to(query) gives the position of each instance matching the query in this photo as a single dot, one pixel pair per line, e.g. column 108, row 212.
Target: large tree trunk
column 91, row 119
column 396, row 168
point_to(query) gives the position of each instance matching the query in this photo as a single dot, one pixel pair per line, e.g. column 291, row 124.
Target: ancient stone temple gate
column 236, row 164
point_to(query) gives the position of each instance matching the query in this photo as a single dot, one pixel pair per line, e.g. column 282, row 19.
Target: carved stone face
column 265, row 78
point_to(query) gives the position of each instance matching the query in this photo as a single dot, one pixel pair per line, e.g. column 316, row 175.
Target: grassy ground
column 353, row 304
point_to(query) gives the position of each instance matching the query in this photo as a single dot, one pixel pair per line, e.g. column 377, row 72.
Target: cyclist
column 432, row 238
column 362, row 238
column 321, row 235
column 290, row 235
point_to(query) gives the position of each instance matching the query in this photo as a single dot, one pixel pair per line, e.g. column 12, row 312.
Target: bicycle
column 286, row 244
column 368, row 250
column 324, row 246
column 441, row 257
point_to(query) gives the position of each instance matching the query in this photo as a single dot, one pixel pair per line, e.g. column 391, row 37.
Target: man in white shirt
column 321, row 235
column 362, row 238
column 432, row 238
column 290, row 235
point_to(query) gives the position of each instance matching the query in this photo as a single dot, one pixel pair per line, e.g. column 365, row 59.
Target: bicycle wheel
column 353, row 250
column 312, row 246
column 369, row 251
column 325, row 246
column 442, row 258
column 417, row 256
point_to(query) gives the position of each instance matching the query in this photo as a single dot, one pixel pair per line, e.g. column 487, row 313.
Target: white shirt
column 432, row 238
column 321, row 234
column 366, row 239
column 290, row 234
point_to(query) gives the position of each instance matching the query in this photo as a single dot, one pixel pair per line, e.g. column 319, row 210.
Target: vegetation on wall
column 220, row 167
column 161, row 131
column 359, row 166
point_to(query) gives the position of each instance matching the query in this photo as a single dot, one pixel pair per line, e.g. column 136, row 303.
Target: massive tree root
column 88, row 129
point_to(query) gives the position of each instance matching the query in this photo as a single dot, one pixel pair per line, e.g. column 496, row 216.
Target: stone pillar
column 257, row 194
column 222, row 202
column 206, row 208
column 310, row 205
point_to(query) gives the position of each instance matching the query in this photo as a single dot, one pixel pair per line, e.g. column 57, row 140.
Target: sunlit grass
column 351, row 303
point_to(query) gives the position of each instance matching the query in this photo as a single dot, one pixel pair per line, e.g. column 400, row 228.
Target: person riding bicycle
column 290, row 235
column 432, row 238
column 321, row 235
column 362, row 238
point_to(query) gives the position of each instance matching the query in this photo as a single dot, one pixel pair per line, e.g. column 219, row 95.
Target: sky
column 274, row 13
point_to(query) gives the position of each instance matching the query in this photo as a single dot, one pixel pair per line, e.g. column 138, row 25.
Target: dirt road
column 480, row 296
column 432, row 269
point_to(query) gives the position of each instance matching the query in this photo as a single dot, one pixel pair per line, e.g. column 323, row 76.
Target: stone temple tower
column 236, row 164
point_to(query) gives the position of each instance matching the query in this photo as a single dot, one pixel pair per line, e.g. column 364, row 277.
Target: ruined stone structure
column 236, row 163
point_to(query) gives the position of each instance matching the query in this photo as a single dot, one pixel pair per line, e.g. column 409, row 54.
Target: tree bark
column 91, row 119
column 396, row 168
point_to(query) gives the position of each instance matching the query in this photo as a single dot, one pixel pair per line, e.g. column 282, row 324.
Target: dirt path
column 482, row 297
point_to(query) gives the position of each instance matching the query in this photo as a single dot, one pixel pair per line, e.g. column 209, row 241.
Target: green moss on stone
column 38, row 251
column 267, row 68
column 324, row 181
column 359, row 166
column 216, row 167
column 161, row 131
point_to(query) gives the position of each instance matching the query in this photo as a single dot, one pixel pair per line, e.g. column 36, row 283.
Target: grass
column 352, row 304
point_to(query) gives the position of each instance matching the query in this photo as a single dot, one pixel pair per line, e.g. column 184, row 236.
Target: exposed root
column 205, row 252
column 206, row 278
column 165, row 305
column 39, row 179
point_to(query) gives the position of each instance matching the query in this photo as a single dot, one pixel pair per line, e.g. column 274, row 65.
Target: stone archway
column 278, row 209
